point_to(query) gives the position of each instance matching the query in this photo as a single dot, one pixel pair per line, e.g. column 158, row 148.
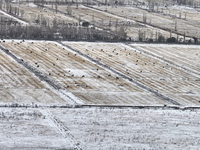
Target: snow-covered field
column 17, row 85
column 185, row 56
column 102, row 19
column 86, row 80
column 34, row 14
column 156, row 19
column 132, row 129
column 136, row 74
column 101, row 96
column 99, row 128
column 23, row 128
column 173, row 81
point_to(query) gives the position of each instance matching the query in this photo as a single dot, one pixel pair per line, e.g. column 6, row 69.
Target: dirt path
column 15, row 18
column 61, row 128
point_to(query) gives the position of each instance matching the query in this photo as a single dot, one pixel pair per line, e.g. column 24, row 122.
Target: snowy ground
column 33, row 13
column 185, row 56
column 17, row 85
column 99, row 128
column 154, row 72
column 23, row 128
column 157, row 19
column 132, row 129
column 102, row 19
column 86, row 80
column 115, row 73
column 104, row 126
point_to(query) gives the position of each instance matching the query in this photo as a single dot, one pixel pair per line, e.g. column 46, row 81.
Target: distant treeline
column 52, row 33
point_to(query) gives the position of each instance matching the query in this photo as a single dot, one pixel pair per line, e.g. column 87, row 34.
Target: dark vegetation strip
column 165, row 107
column 163, row 97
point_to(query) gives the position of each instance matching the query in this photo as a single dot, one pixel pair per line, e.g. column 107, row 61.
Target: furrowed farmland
column 99, row 74
column 33, row 14
column 145, row 69
column 115, row 22
column 14, row 78
column 83, row 78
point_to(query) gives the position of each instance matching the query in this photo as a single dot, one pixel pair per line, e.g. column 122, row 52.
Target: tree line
column 18, row 31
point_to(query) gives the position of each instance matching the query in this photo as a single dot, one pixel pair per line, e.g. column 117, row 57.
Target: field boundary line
column 63, row 130
column 101, row 106
column 142, row 86
column 43, row 77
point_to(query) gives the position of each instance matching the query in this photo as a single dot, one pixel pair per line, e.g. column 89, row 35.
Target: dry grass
column 84, row 79
column 150, row 71
column 19, row 86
